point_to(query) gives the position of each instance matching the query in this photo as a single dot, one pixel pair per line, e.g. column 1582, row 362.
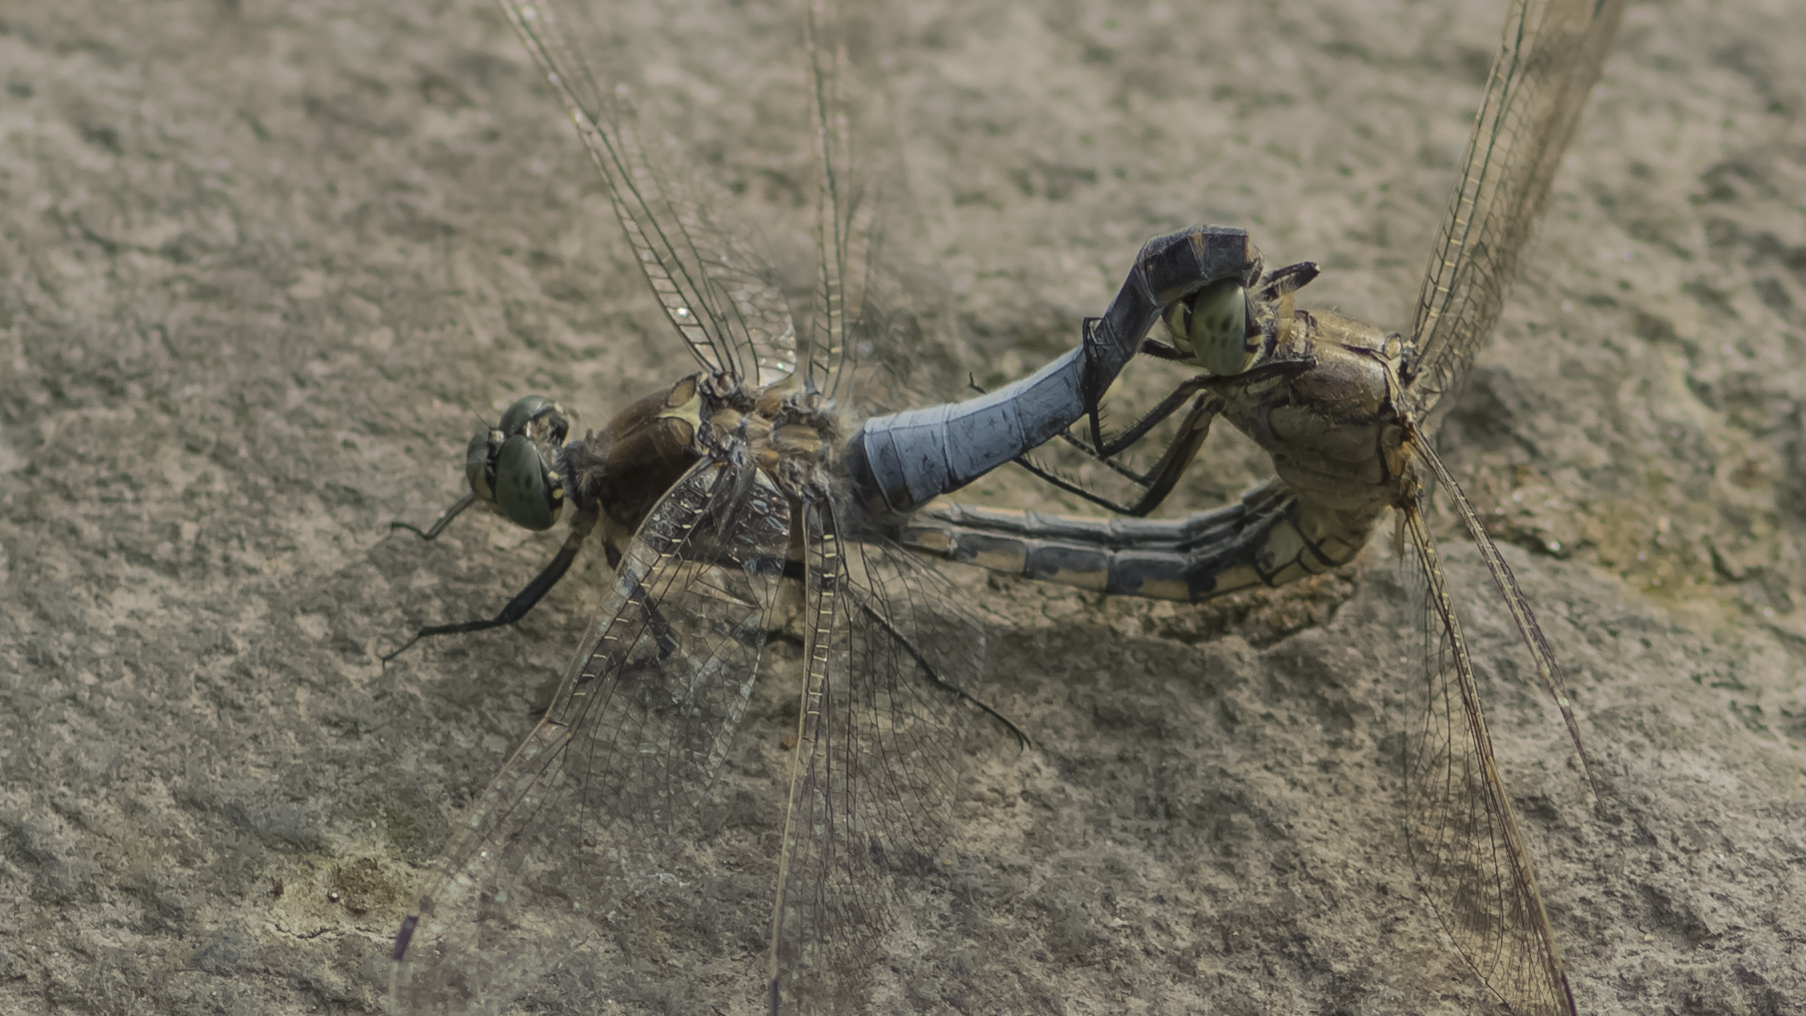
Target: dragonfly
column 1348, row 414
column 742, row 493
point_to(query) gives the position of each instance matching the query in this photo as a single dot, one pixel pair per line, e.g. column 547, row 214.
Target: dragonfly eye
column 537, row 417
column 478, row 464
column 526, row 491
column 1212, row 325
column 512, row 468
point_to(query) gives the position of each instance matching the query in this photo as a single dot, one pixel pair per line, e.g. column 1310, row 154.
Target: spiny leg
column 1107, row 455
column 445, row 518
column 1158, row 482
column 524, row 600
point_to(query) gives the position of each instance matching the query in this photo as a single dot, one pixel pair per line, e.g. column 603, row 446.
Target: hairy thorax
column 627, row 466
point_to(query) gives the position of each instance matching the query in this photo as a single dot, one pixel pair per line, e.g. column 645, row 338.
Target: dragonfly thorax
column 620, row 472
column 1336, row 431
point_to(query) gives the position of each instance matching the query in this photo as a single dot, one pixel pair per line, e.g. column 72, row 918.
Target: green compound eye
column 528, row 411
column 476, row 463
column 520, row 485
column 1211, row 325
column 511, row 467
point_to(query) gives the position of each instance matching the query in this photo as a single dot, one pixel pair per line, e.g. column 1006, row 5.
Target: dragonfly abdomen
column 1268, row 538
column 903, row 460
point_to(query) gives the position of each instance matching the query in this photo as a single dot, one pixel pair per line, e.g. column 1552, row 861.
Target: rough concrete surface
column 264, row 264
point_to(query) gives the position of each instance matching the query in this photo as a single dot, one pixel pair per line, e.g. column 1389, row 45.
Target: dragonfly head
column 513, row 466
column 1211, row 326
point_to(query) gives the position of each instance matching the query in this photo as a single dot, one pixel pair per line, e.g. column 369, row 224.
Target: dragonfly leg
column 445, row 518
column 1152, row 418
column 1156, row 483
column 524, row 600
column 1055, row 480
column 877, row 616
column 1106, row 452
column 1178, row 455
column 662, row 632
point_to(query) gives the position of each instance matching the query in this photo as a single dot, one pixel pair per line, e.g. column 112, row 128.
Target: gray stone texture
column 263, row 266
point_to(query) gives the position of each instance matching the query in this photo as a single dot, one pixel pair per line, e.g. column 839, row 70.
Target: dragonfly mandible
column 1348, row 414
column 713, row 497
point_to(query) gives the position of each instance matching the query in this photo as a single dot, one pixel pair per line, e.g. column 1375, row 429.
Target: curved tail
column 898, row 463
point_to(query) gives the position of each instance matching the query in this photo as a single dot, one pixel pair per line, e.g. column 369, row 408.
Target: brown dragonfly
column 1348, row 413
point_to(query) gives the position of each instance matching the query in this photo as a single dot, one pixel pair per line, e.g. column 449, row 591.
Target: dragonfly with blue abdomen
column 1348, row 414
column 587, row 855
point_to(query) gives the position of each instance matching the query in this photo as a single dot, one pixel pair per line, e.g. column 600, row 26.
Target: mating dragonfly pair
column 717, row 496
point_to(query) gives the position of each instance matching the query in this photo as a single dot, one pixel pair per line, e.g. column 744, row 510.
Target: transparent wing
column 1460, row 827
column 1548, row 672
column 879, row 336
column 893, row 658
column 713, row 281
column 1549, row 56
column 571, row 857
column 842, row 222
